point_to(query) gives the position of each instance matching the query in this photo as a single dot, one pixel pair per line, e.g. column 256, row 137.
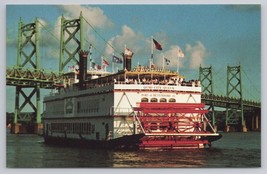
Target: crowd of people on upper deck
column 155, row 81
column 147, row 69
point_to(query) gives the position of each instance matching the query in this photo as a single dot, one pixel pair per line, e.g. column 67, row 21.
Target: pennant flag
column 105, row 63
column 157, row 45
column 167, row 61
column 117, row 59
column 180, row 53
column 128, row 52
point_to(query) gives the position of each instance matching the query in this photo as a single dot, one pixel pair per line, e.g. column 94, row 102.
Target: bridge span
column 27, row 74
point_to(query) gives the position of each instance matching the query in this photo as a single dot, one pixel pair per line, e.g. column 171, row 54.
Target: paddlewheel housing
column 174, row 125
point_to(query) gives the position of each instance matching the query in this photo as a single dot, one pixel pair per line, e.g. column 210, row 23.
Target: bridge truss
column 28, row 56
column 233, row 101
column 28, row 77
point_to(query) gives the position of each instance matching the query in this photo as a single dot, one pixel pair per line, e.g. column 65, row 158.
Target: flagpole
column 163, row 62
column 102, row 63
column 113, row 62
column 124, row 58
column 152, row 49
column 178, row 64
column 90, row 57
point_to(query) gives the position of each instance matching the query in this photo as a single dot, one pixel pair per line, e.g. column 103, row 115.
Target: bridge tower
column 27, row 57
column 234, row 86
column 71, row 41
column 206, row 79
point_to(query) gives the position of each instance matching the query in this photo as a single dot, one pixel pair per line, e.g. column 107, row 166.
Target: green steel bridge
column 236, row 105
column 28, row 75
column 24, row 77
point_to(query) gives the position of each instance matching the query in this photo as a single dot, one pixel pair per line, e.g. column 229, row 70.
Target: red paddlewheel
column 172, row 125
column 171, row 117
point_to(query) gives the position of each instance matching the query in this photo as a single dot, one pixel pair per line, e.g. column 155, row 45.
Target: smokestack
column 127, row 59
column 128, row 63
column 82, row 68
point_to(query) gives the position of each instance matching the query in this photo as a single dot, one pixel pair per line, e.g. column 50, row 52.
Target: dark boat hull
column 137, row 141
column 125, row 142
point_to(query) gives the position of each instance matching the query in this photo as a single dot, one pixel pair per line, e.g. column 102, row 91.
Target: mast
column 163, row 62
column 178, row 63
column 112, row 62
column 179, row 55
column 90, row 57
column 152, row 49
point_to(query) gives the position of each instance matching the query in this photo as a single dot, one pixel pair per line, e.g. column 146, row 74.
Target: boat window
column 81, row 128
column 93, row 129
column 97, row 136
column 74, row 127
column 144, row 100
column 78, row 106
column 68, row 128
column 163, row 100
column 89, row 128
column 172, row 100
column 153, row 100
column 78, row 127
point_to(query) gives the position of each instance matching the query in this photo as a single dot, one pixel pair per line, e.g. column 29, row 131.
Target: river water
column 234, row 150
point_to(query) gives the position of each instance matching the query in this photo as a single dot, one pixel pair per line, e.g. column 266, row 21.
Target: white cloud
column 57, row 27
column 172, row 55
column 140, row 45
column 134, row 41
column 196, row 54
column 94, row 15
column 42, row 23
column 12, row 37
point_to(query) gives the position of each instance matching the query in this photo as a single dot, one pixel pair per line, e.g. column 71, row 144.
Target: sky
column 217, row 35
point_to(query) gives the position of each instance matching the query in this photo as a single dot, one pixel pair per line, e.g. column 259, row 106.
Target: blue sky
column 217, row 35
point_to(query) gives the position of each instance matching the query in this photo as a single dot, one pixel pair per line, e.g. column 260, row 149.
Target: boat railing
column 184, row 84
column 191, row 83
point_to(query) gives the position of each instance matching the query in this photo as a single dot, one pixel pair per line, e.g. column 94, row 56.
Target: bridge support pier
column 227, row 128
column 38, row 129
column 244, row 128
column 19, row 128
column 255, row 122
column 15, row 128
column 233, row 128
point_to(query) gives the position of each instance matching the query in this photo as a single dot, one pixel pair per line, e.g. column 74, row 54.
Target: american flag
column 157, row 45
